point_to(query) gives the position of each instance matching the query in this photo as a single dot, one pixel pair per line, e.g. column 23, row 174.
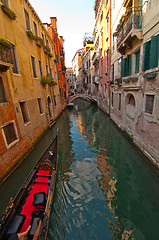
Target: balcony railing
column 132, row 21
column 6, row 59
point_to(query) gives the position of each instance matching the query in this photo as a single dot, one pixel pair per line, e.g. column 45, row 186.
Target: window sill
column 26, row 124
column 17, row 74
column 11, row 144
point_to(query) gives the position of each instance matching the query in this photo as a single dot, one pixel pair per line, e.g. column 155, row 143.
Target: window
column 47, row 43
column 101, row 66
column 131, row 100
column 51, row 72
column 107, row 66
column 149, row 104
column 34, row 67
column 10, row 134
column 112, row 73
column 150, row 53
column 42, row 36
column 47, row 71
column 104, row 87
column 119, row 68
column 35, row 28
column 137, row 62
column 126, row 66
column 119, row 107
column 40, row 67
column 2, row 92
column 15, row 61
column 27, row 19
column 40, row 105
column 112, row 99
column 24, row 111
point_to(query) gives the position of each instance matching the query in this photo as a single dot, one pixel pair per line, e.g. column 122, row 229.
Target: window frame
column 4, row 95
column 25, row 113
column 40, row 68
column 35, row 75
column 35, row 28
column 4, row 135
column 27, row 19
column 15, row 68
column 146, row 110
column 40, row 105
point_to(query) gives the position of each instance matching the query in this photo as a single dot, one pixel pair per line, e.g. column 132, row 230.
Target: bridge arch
column 84, row 96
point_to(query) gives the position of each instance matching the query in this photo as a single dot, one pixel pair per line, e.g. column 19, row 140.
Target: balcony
column 6, row 59
column 95, row 58
column 129, row 29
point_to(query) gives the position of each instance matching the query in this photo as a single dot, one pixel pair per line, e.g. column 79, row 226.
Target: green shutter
column 123, row 67
column 154, row 52
column 129, row 65
column 146, row 56
column 137, row 62
column 126, row 66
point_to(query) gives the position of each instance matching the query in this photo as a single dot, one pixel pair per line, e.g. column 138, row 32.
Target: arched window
column 131, row 100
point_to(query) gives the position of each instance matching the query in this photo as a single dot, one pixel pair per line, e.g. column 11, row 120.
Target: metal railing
column 133, row 20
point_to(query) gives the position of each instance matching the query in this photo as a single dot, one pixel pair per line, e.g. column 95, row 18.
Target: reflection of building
column 80, row 125
column 29, row 87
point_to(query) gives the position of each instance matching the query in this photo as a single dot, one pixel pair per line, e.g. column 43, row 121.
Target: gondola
column 32, row 204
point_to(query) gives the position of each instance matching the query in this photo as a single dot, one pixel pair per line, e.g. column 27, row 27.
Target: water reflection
column 104, row 189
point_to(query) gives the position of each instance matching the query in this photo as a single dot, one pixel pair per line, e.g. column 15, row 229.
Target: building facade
column 69, row 80
column 134, row 74
column 125, row 68
column 29, row 86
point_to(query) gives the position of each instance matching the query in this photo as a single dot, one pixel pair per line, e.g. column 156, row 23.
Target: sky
column 74, row 19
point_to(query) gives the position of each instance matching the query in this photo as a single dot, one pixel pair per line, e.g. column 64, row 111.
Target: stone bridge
column 84, row 96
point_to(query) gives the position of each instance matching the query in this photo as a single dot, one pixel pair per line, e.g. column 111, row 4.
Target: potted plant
column 8, row 11
column 30, row 34
column 4, row 43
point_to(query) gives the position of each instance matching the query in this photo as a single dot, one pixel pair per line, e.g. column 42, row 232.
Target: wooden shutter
column 154, row 52
column 129, row 65
column 146, row 56
column 123, row 67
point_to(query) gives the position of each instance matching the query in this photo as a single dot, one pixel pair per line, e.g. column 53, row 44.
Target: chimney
column 54, row 22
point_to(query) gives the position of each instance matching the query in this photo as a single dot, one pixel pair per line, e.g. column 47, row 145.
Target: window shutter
column 154, row 52
column 129, row 65
column 137, row 62
column 146, row 56
column 123, row 67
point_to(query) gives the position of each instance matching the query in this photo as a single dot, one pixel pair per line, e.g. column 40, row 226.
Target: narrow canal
column 105, row 188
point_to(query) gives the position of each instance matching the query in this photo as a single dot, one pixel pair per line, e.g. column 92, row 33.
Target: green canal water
column 105, row 188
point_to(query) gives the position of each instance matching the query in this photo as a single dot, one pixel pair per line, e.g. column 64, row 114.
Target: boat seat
column 34, row 224
column 39, row 199
column 16, row 224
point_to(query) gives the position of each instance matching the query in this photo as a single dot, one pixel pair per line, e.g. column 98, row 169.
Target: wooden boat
column 32, row 203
